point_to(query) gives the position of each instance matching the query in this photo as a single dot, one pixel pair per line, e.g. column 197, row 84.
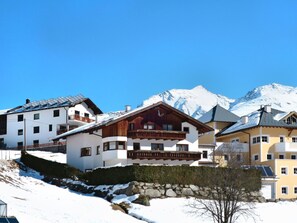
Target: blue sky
column 122, row 52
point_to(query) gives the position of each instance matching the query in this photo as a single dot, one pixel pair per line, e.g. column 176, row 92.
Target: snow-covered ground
column 32, row 200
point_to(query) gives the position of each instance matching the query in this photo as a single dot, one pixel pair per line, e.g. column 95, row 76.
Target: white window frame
column 283, row 137
column 254, row 157
column 259, row 139
column 294, row 139
column 235, row 140
column 281, row 154
column 271, row 154
column 293, row 155
column 295, row 167
column 286, row 170
column 287, row 189
column 295, row 187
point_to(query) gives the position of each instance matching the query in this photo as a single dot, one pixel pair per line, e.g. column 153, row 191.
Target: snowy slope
column 279, row 96
column 197, row 101
column 194, row 102
column 33, row 201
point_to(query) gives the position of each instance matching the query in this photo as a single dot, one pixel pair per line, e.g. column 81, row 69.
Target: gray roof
column 259, row 118
column 55, row 103
column 218, row 114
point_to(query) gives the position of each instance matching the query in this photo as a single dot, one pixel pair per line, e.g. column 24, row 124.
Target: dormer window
column 291, row 120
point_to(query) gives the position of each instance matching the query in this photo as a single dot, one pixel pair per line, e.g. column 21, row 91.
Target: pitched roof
column 111, row 118
column 55, row 103
column 261, row 117
column 218, row 114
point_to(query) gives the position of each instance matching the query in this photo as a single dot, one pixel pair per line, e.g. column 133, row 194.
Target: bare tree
column 228, row 196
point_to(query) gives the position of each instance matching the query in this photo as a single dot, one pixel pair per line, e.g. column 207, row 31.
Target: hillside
column 33, row 201
column 195, row 102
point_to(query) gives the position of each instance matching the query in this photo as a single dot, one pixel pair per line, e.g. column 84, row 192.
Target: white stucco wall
column 78, row 141
column 82, row 108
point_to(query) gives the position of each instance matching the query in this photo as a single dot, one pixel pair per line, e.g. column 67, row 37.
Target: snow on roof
column 253, row 120
column 4, row 111
column 280, row 116
column 48, row 103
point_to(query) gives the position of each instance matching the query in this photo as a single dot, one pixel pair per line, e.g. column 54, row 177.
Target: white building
column 36, row 123
column 155, row 134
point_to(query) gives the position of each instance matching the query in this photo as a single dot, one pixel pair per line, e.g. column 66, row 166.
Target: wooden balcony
column 80, row 118
column 156, row 134
column 163, row 155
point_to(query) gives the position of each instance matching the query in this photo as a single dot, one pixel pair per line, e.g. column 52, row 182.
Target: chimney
column 267, row 108
column 127, row 108
column 27, row 101
column 244, row 119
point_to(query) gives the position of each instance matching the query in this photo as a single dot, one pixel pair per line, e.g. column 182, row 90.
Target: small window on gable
column 36, row 116
column 86, row 151
column 186, row 129
column 269, row 156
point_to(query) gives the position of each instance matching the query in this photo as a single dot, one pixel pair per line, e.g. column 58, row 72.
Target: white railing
column 233, row 147
column 286, row 147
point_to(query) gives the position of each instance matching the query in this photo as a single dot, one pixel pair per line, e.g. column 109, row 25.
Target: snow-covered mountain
column 197, row 101
column 279, row 96
column 194, row 102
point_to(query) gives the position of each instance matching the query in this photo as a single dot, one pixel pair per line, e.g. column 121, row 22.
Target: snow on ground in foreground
column 33, row 201
column 16, row 154
column 176, row 210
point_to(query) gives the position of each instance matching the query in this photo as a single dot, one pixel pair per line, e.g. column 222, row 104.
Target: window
column 269, row 156
column 87, row 115
column 36, row 116
column 295, row 170
column 157, row 146
column 238, row 158
column 295, row 190
column 167, row 127
column 97, row 150
column 35, row 143
column 56, row 113
column 281, row 139
column 204, row 154
column 258, row 139
column 20, row 118
column 50, row 128
column 76, row 113
column 281, row 156
column 235, row 140
column 131, row 126
column 182, row 147
column 20, row 144
column 20, row 132
column 293, row 157
column 264, row 138
column 36, row 129
column 136, row 146
column 294, row 139
column 115, row 145
column 284, row 171
column 148, row 126
column 186, row 129
column 226, row 157
column 86, row 151
column 256, row 157
column 284, row 190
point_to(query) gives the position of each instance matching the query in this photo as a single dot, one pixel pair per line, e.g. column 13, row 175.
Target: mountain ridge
column 198, row 100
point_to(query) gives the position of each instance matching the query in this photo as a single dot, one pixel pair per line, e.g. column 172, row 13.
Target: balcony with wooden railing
column 80, row 118
column 163, row 155
column 156, row 134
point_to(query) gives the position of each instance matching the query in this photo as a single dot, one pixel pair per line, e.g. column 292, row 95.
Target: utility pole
column 25, row 141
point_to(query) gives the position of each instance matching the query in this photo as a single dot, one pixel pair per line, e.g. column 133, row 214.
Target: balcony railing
column 156, row 134
column 163, row 155
column 80, row 118
column 37, row 146
column 286, row 147
column 233, row 147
